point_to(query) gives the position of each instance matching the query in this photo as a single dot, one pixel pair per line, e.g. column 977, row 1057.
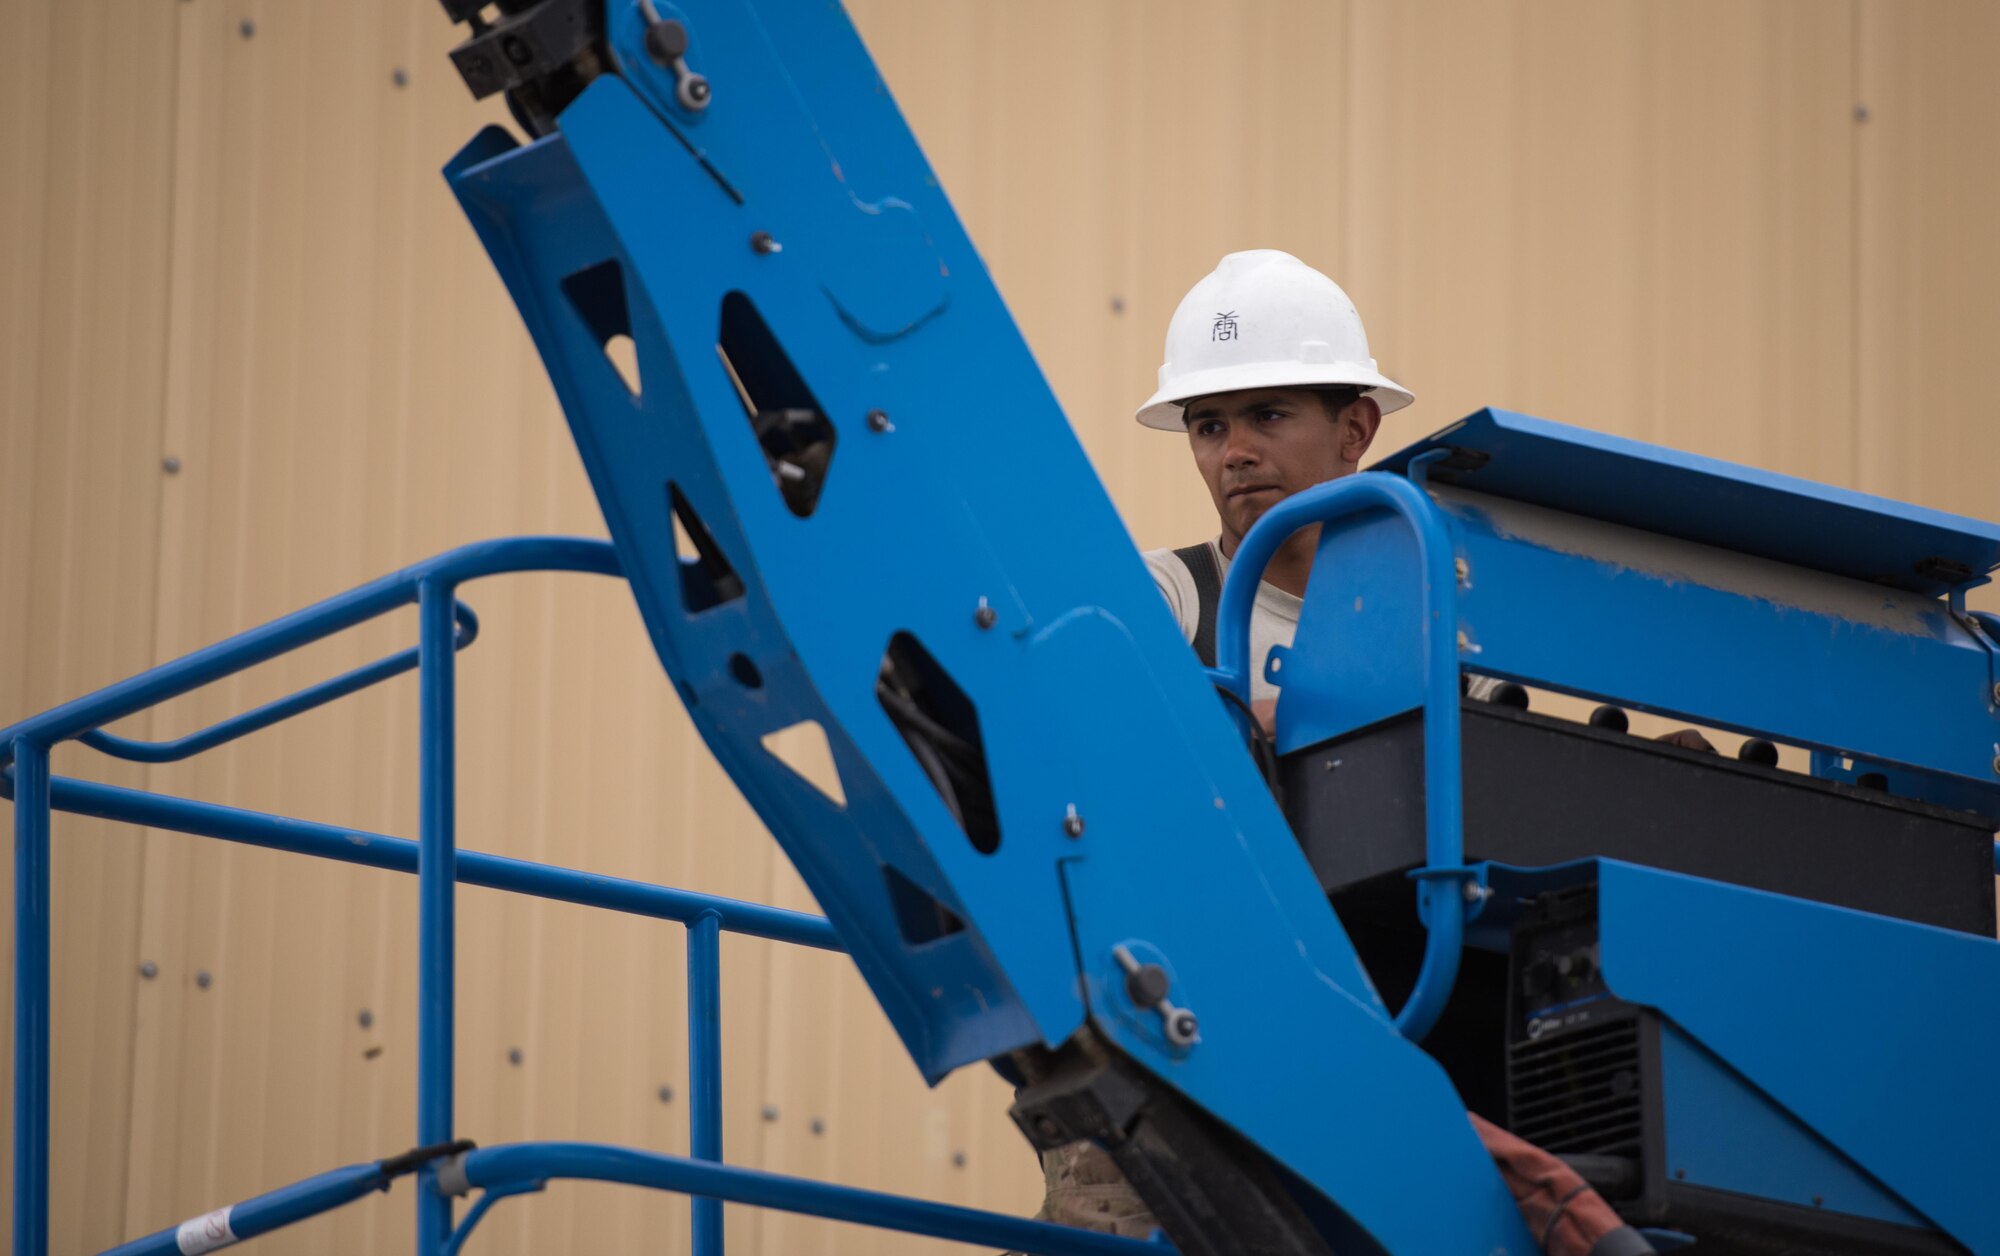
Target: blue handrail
column 446, row 625
column 271, row 713
column 1444, row 844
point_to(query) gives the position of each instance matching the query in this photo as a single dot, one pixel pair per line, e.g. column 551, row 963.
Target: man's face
column 1256, row 447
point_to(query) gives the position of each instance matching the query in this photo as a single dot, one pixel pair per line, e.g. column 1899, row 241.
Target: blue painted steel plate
column 1717, row 503
column 1875, row 1033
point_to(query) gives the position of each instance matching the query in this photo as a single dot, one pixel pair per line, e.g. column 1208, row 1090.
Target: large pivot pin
column 667, row 43
column 1147, row 984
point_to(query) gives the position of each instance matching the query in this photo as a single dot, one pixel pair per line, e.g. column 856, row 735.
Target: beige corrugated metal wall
column 1755, row 230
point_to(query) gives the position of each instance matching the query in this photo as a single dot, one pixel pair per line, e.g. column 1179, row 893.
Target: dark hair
column 1338, row 397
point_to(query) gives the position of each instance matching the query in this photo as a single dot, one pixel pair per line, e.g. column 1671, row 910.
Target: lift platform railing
column 443, row 1165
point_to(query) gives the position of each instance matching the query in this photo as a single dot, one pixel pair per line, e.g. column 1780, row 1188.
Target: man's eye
column 1207, row 427
column 1270, row 414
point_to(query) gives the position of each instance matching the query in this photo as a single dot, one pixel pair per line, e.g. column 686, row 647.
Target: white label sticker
column 205, row 1234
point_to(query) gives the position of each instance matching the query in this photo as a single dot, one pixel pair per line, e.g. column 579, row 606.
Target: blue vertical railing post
column 704, row 969
column 436, row 884
column 31, row 999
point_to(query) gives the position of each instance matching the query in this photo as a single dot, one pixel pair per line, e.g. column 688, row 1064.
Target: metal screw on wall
column 818, row 1126
column 1072, row 822
column 878, row 421
column 400, row 77
column 762, row 244
column 365, row 1018
column 1861, row 113
column 149, row 970
column 171, row 465
column 985, row 616
column 770, row 1112
column 1117, row 305
column 514, row 1056
column 246, row 28
column 958, row 1160
column 666, row 1094
column 203, row 979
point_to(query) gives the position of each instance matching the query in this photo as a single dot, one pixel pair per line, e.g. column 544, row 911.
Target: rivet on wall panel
column 400, row 77
column 770, row 1112
column 958, row 1160
column 171, row 465
column 203, row 979
column 149, row 970
column 1861, row 113
column 818, row 1126
column 514, row 1056
column 1117, row 305
column 246, row 28
column 666, row 1094
column 365, row 1018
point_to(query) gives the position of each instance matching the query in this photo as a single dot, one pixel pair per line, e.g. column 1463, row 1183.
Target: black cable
column 1263, row 751
column 902, row 705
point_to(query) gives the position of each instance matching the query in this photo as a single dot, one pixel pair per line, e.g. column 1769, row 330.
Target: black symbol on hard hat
column 1225, row 327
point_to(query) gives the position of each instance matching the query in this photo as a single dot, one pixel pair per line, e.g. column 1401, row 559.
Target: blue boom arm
column 887, row 528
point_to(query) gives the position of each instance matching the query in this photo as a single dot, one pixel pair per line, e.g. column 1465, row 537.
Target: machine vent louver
column 1579, row 1092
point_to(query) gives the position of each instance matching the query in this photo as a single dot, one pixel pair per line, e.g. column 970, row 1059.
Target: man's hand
column 1686, row 739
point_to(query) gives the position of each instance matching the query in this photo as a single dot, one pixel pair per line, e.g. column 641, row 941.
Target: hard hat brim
column 1163, row 409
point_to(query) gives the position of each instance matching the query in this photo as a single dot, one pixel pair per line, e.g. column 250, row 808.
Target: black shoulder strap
column 1200, row 562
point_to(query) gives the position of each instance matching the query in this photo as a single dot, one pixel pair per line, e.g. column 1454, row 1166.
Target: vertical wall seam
column 1855, row 409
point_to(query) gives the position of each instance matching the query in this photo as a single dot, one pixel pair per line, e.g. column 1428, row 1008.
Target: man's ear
column 1358, row 424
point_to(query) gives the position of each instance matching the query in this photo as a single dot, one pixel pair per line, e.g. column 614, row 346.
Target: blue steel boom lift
column 1751, row 1005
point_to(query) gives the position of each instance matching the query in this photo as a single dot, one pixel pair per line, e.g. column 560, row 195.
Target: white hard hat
column 1264, row 319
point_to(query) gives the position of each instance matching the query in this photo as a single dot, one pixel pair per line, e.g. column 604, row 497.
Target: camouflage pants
column 1083, row 1188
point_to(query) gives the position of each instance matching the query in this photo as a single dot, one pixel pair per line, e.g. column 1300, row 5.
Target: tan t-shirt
column 1274, row 618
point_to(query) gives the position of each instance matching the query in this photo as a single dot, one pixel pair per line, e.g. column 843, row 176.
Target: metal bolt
column 985, row 616
column 203, row 980
column 1182, row 1027
column 666, row 1094
column 1072, row 822
column 400, row 77
column 770, row 1112
column 1117, row 305
column 171, row 465
column 1477, row 893
column 878, row 421
column 763, row 245
column 958, row 1160
column 818, row 1126
column 1464, row 570
column 1861, row 113
column 1333, row 765
column 697, row 91
column 514, row 1056
column 149, row 970
column 246, row 28
column 366, row 1019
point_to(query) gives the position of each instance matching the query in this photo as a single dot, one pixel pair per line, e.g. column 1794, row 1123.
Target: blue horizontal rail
column 273, row 712
column 261, row 1214
column 513, row 1165
column 267, row 641
column 397, row 854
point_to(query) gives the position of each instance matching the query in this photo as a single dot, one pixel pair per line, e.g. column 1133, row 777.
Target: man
column 1268, row 373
